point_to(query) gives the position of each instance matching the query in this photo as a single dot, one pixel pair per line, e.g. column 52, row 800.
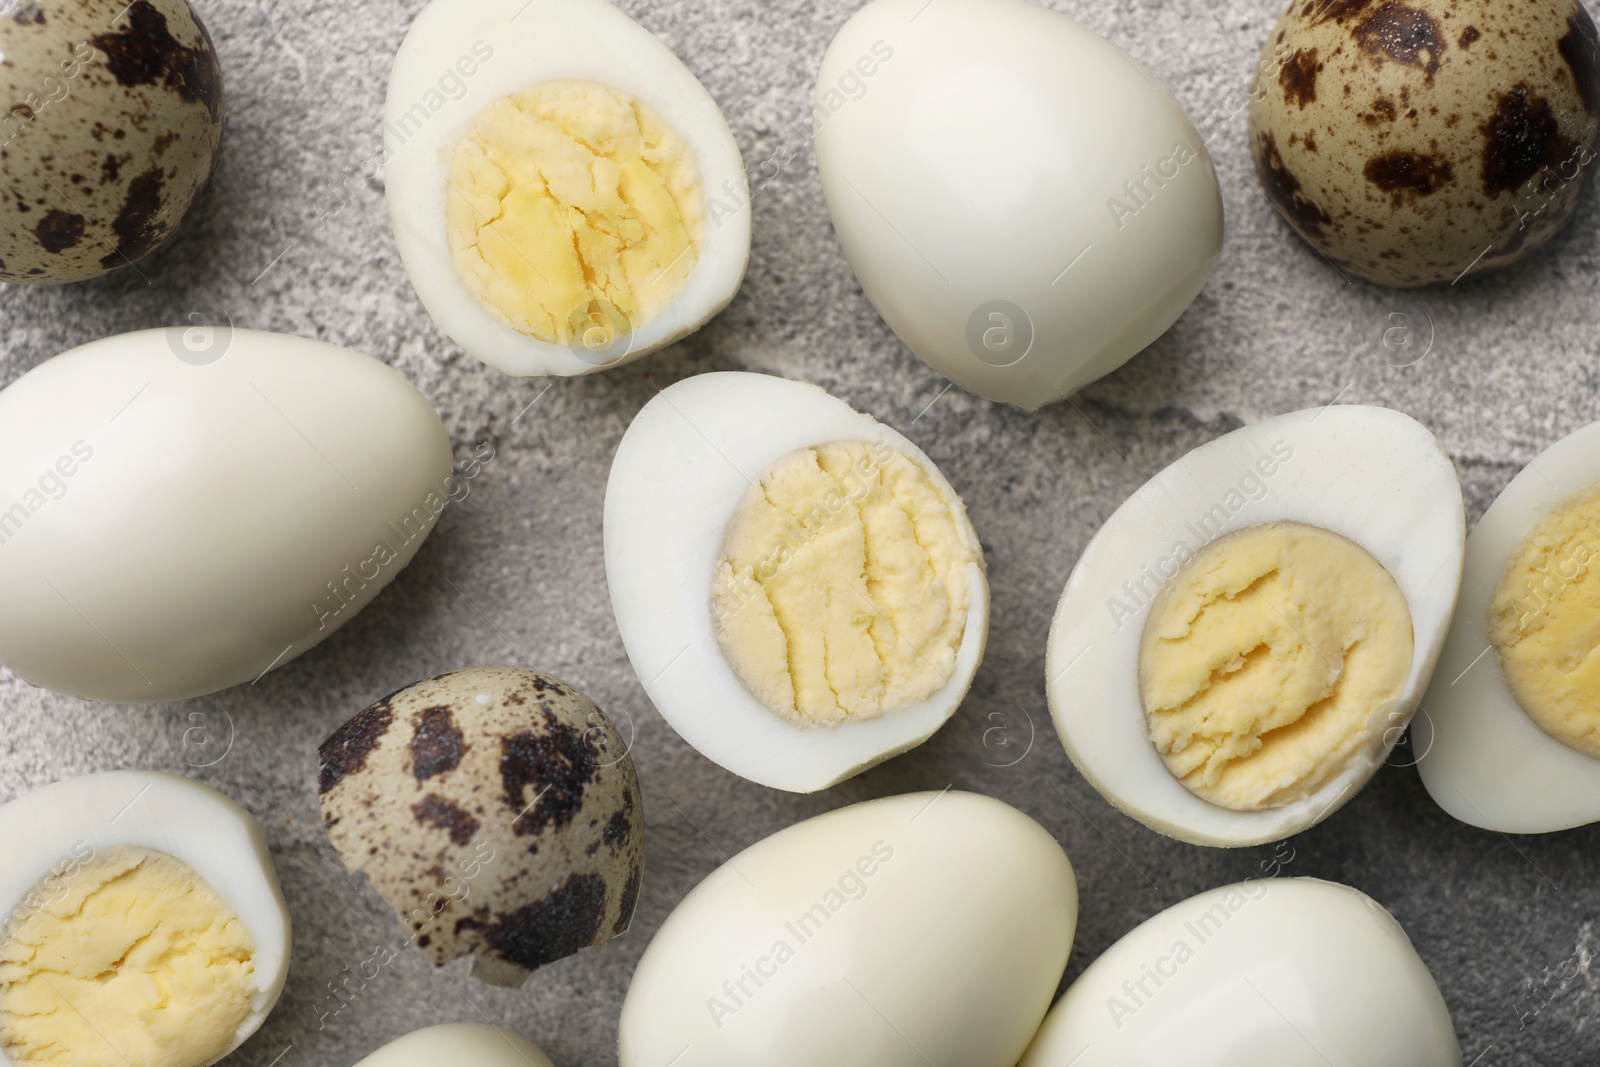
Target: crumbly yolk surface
column 842, row 588
column 1270, row 661
column 1544, row 622
column 574, row 211
column 132, row 960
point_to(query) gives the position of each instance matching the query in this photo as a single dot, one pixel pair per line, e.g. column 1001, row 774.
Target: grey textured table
column 294, row 237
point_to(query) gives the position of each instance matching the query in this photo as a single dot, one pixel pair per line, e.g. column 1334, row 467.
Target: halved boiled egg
column 798, row 587
column 1245, row 639
column 566, row 196
column 142, row 923
column 1509, row 735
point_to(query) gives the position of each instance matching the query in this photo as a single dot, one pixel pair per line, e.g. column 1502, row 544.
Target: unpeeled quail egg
column 496, row 809
column 566, row 196
column 1507, row 737
column 1412, row 143
column 928, row 925
column 183, row 510
column 796, row 584
column 142, row 923
column 479, row 1044
column 1244, row 640
column 112, row 130
column 1024, row 204
column 1293, row 972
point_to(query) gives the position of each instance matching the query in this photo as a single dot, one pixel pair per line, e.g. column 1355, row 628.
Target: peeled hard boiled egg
column 1245, row 639
column 479, row 1044
column 1024, row 204
column 1295, row 972
column 566, row 196
column 142, row 924
column 797, row 586
column 925, row 928
column 1508, row 735
column 1412, row 143
column 183, row 510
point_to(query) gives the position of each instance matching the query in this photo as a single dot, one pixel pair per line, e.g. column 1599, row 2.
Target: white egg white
column 679, row 475
column 1480, row 755
column 510, row 45
column 1288, row 972
column 58, row 826
column 1374, row 476
column 932, row 927
column 479, row 1044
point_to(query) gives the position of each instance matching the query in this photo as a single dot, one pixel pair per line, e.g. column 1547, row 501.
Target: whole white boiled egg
column 182, row 510
column 931, row 927
column 146, row 901
column 1024, row 204
column 1246, row 638
column 1482, row 757
column 1292, row 972
column 882, row 579
column 573, row 147
column 479, row 1044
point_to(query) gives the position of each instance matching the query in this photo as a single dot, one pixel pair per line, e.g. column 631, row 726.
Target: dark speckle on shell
column 436, row 743
column 145, row 52
column 1403, row 34
column 1298, row 77
column 546, row 930
column 1284, row 190
column 1519, row 139
column 553, row 765
column 1401, row 173
column 59, row 230
column 1581, row 49
column 139, row 226
column 346, row 751
column 439, row 813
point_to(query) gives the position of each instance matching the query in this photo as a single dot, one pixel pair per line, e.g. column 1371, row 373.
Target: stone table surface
column 294, row 237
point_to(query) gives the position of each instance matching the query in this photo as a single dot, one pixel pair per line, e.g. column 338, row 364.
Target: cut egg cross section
column 798, row 587
column 143, row 923
column 1246, row 638
column 1507, row 737
column 565, row 194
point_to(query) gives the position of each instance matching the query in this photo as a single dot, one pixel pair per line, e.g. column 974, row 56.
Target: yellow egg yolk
column 574, row 211
column 1544, row 622
column 129, row 959
column 1271, row 660
column 841, row 592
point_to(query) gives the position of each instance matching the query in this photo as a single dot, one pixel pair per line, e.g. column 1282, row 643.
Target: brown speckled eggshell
column 497, row 811
column 1411, row 141
column 111, row 120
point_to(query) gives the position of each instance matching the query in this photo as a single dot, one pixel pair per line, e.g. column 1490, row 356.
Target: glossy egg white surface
column 1291, row 972
column 1480, row 755
column 181, row 510
column 679, row 474
column 1372, row 475
column 77, row 817
column 462, row 55
column 466, row 1044
column 941, row 924
column 971, row 152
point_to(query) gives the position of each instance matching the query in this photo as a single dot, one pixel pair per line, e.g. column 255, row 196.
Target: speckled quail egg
column 1244, row 641
column 1509, row 737
column 113, row 130
column 1291, row 972
column 480, row 1044
column 798, row 587
column 496, row 810
column 140, row 922
column 1415, row 142
column 566, row 195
